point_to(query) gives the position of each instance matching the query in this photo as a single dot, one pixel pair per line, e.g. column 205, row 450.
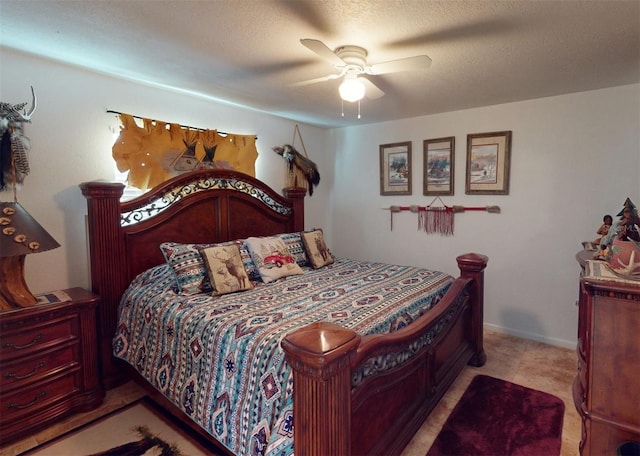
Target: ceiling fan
column 351, row 63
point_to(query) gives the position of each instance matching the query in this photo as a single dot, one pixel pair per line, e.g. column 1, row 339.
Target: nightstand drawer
column 29, row 400
column 48, row 363
column 22, row 372
column 37, row 337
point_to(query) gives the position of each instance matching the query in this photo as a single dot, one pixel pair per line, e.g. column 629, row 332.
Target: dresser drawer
column 21, row 372
column 36, row 337
column 48, row 364
column 36, row 397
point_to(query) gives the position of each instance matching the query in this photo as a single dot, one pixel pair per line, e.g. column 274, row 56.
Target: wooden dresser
column 48, row 363
column 606, row 390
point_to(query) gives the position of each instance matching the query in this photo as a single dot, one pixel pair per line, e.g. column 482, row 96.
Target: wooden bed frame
column 352, row 394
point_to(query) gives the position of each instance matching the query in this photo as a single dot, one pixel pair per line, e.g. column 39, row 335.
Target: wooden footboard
column 369, row 395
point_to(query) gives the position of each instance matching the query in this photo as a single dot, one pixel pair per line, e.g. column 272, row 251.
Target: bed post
column 108, row 267
column 472, row 266
column 320, row 356
column 296, row 194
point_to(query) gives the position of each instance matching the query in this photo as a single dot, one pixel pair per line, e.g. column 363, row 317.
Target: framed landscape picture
column 395, row 168
column 438, row 166
column 488, row 161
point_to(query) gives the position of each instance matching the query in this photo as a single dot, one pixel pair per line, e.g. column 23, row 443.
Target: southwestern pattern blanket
column 219, row 358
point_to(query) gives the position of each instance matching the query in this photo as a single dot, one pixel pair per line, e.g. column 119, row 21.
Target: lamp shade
column 352, row 89
column 21, row 234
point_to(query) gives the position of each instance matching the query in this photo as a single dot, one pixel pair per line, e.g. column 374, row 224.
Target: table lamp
column 20, row 235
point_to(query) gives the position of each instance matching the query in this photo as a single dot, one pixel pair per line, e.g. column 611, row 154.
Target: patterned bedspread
column 219, row 358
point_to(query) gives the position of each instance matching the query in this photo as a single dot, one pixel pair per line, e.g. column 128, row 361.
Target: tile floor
column 525, row 362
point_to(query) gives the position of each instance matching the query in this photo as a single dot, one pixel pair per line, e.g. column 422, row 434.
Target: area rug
column 138, row 429
column 498, row 418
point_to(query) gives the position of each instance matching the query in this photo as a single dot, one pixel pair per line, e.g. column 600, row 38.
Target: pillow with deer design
column 189, row 269
column 225, row 269
column 317, row 251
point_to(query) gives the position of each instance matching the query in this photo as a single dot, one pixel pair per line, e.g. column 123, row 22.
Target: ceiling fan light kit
column 351, row 63
column 352, row 89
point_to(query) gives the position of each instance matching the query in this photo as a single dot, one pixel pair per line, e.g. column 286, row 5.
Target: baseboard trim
column 531, row 336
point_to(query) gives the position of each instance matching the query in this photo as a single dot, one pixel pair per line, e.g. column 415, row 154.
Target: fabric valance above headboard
column 157, row 151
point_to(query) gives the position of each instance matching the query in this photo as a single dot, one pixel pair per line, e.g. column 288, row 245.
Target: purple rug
column 498, row 418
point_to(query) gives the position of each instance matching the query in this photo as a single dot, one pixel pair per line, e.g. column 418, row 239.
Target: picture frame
column 395, row 168
column 438, row 166
column 488, row 163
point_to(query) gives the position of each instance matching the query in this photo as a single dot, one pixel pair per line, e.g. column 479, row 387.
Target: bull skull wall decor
column 14, row 163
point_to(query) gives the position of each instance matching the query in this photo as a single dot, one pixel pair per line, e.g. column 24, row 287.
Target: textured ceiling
column 248, row 52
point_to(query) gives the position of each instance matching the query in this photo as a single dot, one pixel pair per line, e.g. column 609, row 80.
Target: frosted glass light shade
column 352, row 89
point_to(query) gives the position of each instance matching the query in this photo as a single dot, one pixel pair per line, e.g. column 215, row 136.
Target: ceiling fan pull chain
column 342, row 103
column 358, row 109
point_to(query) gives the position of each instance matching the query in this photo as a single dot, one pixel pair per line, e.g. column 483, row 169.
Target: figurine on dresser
column 621, row 245
column 607, row 221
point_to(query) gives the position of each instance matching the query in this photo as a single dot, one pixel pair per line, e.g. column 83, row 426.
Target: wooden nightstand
column 48, row 363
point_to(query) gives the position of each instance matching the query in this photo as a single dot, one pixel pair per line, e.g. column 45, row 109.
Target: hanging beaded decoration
column 438, row 219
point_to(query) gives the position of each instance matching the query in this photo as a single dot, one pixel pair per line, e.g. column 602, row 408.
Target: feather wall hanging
column 301, row 172
column 438, row 219
column 14, row 146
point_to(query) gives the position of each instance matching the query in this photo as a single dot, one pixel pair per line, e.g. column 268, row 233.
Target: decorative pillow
column 294, row 243
column 271, row 256
column 247, row 261
column 317, row 251
column 225, row 269
column 188, row 267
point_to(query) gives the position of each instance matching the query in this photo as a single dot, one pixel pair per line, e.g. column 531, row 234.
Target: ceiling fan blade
column 372, row 91
column 316, row 80
column 419, row 62
column 323, row 51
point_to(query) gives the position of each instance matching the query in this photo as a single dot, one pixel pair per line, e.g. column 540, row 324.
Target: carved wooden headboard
column 205, row 206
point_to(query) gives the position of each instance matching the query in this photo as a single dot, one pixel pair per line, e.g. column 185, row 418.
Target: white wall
column 574, row 158
column 71, row 137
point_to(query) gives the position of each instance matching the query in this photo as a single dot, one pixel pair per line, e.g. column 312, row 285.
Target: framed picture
column 395, row 168
column 438, row 166
column 488, row 160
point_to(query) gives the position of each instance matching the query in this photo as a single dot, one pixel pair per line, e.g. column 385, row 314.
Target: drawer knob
column 27, row 375
column 22, row 347
column 40, row 395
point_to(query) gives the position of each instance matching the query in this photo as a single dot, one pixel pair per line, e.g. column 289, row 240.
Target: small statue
column 622, row 241
column 629, row 223
column 607, row 221
column 626, row 227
